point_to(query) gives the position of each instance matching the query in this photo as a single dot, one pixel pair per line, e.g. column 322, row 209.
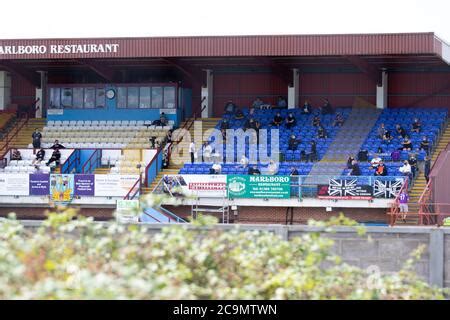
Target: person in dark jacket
column 56, row 156
column 40, row 155
column 356, row 171
column 427, row 168
column 16, row 155
column 350, row 161
column 326, row 108
column 37, row 136
column 312, row 155
column 425, row 145
column 57, row 145
column 290, row 121
column 277, row 120
column 381, row 170
column 293, row 143
column 306, row 109
column 400, row 131
column 321, row 133
column 253, row 171
column 316, row 121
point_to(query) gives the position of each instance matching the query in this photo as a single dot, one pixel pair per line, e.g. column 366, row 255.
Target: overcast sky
column 133, row 18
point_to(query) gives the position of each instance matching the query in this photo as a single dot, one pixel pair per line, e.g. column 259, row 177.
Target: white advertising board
column 15, row 184
column 114, row 185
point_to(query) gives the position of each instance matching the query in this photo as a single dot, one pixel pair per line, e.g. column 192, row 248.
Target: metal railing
column 134, row 191
column 154, row 163
column 10, row 135
column 395, row 207
column 93, row 162
column 72, row 162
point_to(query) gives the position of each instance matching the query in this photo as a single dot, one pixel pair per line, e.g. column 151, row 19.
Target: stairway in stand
column 180, row 153
column 23, row 138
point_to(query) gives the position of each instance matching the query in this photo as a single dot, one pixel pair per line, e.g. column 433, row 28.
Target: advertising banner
column 61, row 187
column 39, row 184
column 14, row 184
column 200, row 185
column 387, row 189
column 124, row 211
column 345, row 189
column 259, row 186
column 84, row 184
column 113, row 185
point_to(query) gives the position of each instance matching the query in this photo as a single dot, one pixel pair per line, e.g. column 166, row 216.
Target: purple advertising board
column 84, row 185
column 39, row 184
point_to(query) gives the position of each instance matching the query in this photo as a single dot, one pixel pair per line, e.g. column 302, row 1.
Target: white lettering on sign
column 60, row 49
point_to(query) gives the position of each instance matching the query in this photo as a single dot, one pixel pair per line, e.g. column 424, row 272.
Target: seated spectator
column 413, row 163
column 425, row 145
column 321, row 132
column 294, row 172
column 381, row 170
column 326, row 108
column 253, row 170
column 224, row 125
column 281, row 102
column 290, row 121
column 277, row 120
column 316, row 121
column 56, row 156
column 293, row 142
column 238, row 115
column 306, row 109
column 363, row 155
column 230, row 107
column 416, row 126
column 243, row 162
column 381, row 131
column 56, row 145
column 15, row 155
column 356, row 171
column 407, row 144
column 257, row 103
column 215, row 169
column 376, row 160
column 387, row 138
column 338, row 120
column 406, row 170
column 272, row 168
column 400, row 131
column 40, row 155
column 163, row 119
column 349, row 162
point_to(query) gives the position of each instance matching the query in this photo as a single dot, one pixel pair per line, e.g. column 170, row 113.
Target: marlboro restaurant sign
column 59, row 49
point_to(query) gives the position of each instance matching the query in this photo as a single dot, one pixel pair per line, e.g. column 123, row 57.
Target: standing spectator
column 356, row 171
column 381, row 131
column 277, row 120
column 306, row 109
column 56, row 156
column 281, row 102
column 207, row 152
column 312, row 155
column 326, row 108
column 403, row 199
column 230, row 107
column 416, row 125
column 57, row 145
column 37, row 136
column 338, row 120
column 400, row 131
column 290, row 121
column 15, row 155
column 40, row 155
column 427, row 168
column 381, row 170
column 192, row 151
column 406, row 171
column 257, row 103
column 413, row 163
column 425, row 145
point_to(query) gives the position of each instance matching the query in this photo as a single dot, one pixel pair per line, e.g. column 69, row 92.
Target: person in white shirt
column 192, row 151
column 207, row 151
column 375, row 161
column 244, row 161
column 216, row 168
column 406, row 168
column 272, row 168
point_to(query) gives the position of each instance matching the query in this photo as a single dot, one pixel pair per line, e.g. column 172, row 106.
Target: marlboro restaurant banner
column 200, row 185
column 259, row 186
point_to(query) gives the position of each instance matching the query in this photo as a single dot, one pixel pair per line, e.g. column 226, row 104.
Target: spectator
column 326, row 108
column 15, row 155
column 376, row 160
column 293, row 142
column 281, row 102
column 363, row 155
column 253, row 170
column 257, row 103
column 381, row 170
column 407, row 144
column 37, row 136
column 230, row 107
column 356, row 171
column 192, row 151
column 321, row 133
column 57, row 145
column 306, row 109
column 224, row 125
column 427, row 168
column 338, row 120
column 381, row 131
column 349, row 162
column 425, row 145
column 406, row 170
column 312, row 155
column 238, row 115
column 163, row 119
column 400, row 131
column 169, row 136
column 316, row 121
column 290, row 121
column 387, row 138
column 207, row 152
column 56, row 156
column 243, row 162
column 416, row 125
column 40, row 155
column 403, row 200
column 216, row 168
column 277, row 120
column 294, row 172
column 272, row 168
column 413, row 163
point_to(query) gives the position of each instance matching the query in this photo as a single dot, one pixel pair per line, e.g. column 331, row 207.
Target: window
column 121, row 97
column 78, row 97
column 169, row 97
column 66, row 98
column 100, row 98
column 133, row 97
column 89, row 98
column 55, row 98
column 144, row 97
column 157, row 97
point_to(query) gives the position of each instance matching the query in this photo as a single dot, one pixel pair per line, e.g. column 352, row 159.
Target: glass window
column 121, row 97
column 55, row 98
column 78, row 97
column 100, row 98
column 144, row 97
column 157, row 97
column 133, row 97
column 169, row 97
column 66, row 98
column 89, row 98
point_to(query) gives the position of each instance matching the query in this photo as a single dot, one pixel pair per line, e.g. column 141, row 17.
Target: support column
column 382, row 91
column 5, row 90
column 207, row 95
column 43, row 92
column 294, row 91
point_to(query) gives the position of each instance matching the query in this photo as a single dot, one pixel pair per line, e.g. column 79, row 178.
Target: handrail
column 155, row 157
column 395, row 205
column 10, row 138
column 148, row 214
column 89, row 161
column 76, row 152
column 128, row 195
column 171, row 215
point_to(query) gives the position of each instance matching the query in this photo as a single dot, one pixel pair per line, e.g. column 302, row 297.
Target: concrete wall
column 388, row 247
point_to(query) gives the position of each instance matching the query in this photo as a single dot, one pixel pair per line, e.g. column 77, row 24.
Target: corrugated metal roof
column 222, row 46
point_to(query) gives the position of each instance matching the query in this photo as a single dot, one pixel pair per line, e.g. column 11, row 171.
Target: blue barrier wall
column 73, row 162
column 154, row 168
column 85, row 154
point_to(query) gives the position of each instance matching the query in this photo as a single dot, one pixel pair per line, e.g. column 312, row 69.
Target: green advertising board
column 258, row 186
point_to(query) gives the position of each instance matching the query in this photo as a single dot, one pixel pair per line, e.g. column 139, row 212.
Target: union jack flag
column 342, row 188
column 387, row 189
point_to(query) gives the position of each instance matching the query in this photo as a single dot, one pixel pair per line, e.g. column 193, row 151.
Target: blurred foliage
column 72, row 257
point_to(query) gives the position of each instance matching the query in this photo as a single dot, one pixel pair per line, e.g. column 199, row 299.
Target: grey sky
column 132, row 18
